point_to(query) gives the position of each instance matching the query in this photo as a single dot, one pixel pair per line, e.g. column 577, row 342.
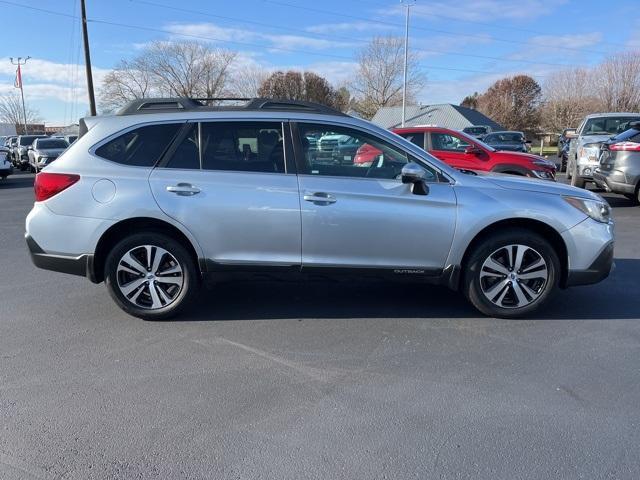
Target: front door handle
column 319, row 198
column 183, row 189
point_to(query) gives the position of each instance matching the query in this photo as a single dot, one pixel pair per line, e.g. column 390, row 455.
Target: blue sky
column 463, row 46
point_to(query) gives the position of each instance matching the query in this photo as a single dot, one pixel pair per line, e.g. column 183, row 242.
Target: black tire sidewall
column 191, row 278
column 486, row 247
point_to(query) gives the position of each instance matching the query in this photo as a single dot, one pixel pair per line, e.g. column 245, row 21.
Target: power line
column 236, row 42
column 269, row 47
column 475, row 22
column 444, row 32
column 340, row 37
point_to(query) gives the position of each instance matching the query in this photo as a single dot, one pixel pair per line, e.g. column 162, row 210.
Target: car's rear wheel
column 151, row 276
column 511, row 274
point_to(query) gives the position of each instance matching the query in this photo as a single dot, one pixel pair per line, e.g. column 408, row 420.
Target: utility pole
column 87, row 60
column 18, row 84
column 407, row 4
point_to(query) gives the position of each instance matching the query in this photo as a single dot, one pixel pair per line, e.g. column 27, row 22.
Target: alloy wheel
column 150, row 277
column 513, row 276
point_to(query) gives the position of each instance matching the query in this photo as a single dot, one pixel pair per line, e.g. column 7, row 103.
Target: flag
column 18, row 82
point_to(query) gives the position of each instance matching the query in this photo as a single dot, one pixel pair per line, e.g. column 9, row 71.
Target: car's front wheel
column 511, row 274
column 151, row 276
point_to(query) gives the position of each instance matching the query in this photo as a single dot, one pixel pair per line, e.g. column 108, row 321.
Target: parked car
column 478, row 131
column 12, row 143
column 464, row 152
column 563, row 157
column 619, row 169
column 44, row 151
column 125, row 205
column 20, row 152
column 584, row 149
column 509, row 141
column 6, row 168
column 564, row 138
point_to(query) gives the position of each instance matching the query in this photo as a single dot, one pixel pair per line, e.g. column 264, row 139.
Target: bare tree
column 470, row 101
column 294, row 85
column 618, row 82
column 182, row 69
column 513, row 102
column 569, row 95
column 188, row 69
column 11, row 111
column 130, row 80
column 246, row 81
column 378, row 80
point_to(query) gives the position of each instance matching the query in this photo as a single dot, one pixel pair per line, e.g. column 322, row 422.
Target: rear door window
column 417, row 138
column 140, row 147
column 242, row 146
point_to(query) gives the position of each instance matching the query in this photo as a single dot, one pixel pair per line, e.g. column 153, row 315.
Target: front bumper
column 613, row 182
column 597, row 271
column 586, row 170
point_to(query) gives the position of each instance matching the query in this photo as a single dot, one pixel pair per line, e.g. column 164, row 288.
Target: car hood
column 515, row 182
column 594, row 138
column 51, row 151
column 504, row 146
column 504, row 156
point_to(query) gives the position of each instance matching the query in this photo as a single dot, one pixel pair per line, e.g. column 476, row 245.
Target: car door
column 229, row 184
column 451, row 149
column 364, row 216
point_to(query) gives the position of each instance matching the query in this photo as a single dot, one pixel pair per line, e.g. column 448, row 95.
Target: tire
column 498, row 292
column 140, row 292
column 576, row 181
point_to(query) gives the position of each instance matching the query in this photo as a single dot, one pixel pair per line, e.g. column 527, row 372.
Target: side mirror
column 571, row 135
column 471, row 150
column 412, row 173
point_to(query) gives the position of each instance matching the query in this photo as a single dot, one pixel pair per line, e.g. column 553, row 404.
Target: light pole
column 18, row 84
column 407, row 4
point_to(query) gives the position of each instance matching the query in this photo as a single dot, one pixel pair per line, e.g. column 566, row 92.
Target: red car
column 465, row 152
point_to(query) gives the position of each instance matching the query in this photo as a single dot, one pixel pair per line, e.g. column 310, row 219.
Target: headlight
column 542, row 174
column 599, row 211
column 541, row 162
column 43, row 159
column 589, row 151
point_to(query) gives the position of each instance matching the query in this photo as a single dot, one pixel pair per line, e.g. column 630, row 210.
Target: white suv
column 168, row 191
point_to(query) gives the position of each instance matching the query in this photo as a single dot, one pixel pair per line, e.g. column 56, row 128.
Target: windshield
column 507, row 137
column 475, row 130
column 52, row 143
column 607, row 125
column 473, row 140
column 26, row 140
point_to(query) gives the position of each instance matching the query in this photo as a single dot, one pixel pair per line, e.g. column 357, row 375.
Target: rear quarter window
column 140, row 147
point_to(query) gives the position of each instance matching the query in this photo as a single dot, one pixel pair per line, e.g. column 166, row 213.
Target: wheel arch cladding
column 544, row 230
column 117, row 232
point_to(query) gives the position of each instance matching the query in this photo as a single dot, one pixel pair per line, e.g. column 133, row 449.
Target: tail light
column 625, row 146
column 49, row 184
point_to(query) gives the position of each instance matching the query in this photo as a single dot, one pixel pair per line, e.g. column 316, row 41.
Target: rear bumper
column 604, row 180
column 597, row 271
column 81, row 265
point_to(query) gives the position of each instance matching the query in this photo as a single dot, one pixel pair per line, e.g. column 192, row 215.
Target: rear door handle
column 321, row 198
column 183, row 189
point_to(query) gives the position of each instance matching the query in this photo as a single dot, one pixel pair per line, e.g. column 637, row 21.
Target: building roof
column 443, row 115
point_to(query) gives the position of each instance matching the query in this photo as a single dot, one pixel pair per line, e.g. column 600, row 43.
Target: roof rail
column 166, row 105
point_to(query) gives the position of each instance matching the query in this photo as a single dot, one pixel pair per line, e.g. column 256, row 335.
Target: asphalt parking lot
column 318, row 380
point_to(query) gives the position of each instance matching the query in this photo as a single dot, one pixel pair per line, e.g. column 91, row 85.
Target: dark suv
column 619, row 169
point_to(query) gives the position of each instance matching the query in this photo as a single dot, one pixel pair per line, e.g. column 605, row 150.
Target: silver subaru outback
column 169, row 192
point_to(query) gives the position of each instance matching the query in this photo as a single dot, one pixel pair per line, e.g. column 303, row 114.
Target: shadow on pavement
column 616, row 297
column 17, row 181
